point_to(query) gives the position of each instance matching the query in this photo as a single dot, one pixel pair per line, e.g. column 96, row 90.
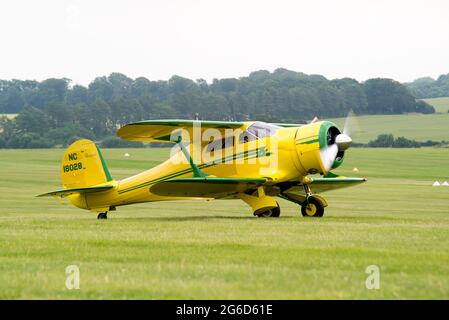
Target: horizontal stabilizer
column 68, row 192
column 206, row 187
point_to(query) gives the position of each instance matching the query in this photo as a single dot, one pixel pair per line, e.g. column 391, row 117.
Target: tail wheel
column 314, row 208
column 102, row 215
column 270, row 213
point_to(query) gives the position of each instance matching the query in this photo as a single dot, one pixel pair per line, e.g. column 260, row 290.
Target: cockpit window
column 220, row 144
column 258, row 130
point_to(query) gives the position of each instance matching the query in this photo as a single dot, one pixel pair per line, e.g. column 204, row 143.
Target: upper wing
column 318, row 185
column 161, row 130
column 68, row 192
column 205, row 187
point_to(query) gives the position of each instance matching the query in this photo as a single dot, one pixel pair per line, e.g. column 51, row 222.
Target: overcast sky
column 209, row 39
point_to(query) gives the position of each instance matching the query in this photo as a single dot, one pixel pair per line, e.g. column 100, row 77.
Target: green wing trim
column 288, row 125
column 188, row 123
column 215, row 180
column 67, row 192
column 337, row 180
column 205, row 187
column 204, row 123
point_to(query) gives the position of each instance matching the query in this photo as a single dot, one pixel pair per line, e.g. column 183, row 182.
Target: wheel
column 271, row 213
column 315, row 208
column 102, row 215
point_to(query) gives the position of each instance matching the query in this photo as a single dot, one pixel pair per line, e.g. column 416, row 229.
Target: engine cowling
column 311, row 140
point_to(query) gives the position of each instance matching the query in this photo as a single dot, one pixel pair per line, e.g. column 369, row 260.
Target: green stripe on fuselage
column 246, row 155
column 305, row 138
column 184, row 171
column 308, row 142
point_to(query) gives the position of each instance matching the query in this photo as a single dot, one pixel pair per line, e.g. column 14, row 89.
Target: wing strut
column 197, row 173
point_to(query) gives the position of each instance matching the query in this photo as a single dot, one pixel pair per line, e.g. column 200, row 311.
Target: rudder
column 83, row 165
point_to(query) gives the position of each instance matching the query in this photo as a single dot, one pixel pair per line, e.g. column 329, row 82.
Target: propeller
column 328, row 156
column 341, row 142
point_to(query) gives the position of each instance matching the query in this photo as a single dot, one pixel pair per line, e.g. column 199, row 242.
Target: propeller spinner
column 343, row 141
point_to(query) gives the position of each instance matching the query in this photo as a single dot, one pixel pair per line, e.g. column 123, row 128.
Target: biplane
column 252, row 161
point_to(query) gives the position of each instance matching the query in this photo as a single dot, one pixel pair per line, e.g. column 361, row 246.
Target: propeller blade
column 328, row 156
column 351, row 124
column 315, row 119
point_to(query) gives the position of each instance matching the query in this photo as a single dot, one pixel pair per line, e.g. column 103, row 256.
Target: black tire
column 271, row 213
column 102, row 215
column 315, row 208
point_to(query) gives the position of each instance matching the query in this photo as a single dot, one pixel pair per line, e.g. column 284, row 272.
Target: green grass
column 420, row 127
column 216, row 249
column 441, row 105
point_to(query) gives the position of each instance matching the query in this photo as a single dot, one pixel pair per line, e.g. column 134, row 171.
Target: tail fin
column 83, row 166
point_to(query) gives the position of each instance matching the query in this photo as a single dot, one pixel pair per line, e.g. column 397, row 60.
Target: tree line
column 55, row 112
column 430, row 88
column 389, row 141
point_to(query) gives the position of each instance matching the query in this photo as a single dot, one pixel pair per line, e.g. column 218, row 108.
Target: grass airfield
column 9, row 115
column 217, row 249
column 441, row 105
column 420, row 127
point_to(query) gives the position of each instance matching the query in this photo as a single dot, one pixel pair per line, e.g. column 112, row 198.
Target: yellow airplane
column 251, row 161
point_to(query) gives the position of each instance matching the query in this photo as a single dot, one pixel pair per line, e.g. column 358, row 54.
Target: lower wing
column 214, row 187
column 318, row 185
column 297, row 193
column 205, row 187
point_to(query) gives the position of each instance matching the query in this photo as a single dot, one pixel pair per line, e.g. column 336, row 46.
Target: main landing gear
column 270, row 213
column 313, row 208
column 102, row 215
column 311, row 205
